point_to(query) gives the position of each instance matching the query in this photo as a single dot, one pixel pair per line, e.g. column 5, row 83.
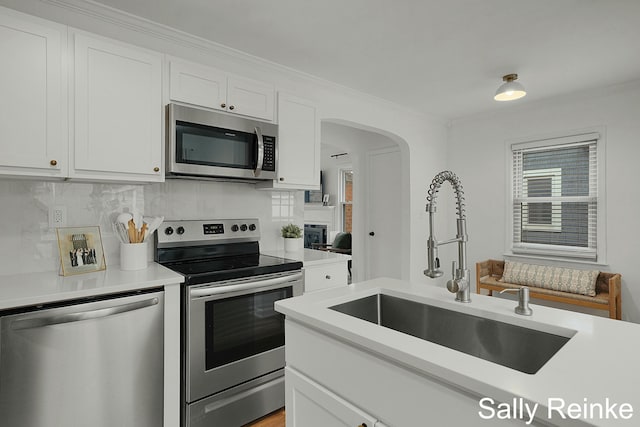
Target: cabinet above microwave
column 204, row 86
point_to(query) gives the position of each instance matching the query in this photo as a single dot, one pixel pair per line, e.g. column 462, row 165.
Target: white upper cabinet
column 250, row 97
column 117, row 121
column 298, row 145
column 207, row 87
column 198, row 85
column 33, row 107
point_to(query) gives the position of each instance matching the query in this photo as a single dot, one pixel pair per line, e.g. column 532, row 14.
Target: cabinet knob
column 363, row 425
column 281, row 178
column 327, row 277
column 371, row 233
column 231, row 107
column 53, row 162
column 223, row 105
column 156, row 169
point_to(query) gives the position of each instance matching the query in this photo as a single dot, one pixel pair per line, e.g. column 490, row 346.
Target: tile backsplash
column 28, row 244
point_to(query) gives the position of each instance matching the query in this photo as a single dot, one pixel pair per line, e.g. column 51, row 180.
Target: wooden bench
column 489, row 273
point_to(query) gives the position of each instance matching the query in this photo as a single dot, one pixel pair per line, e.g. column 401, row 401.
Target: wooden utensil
column 132, row 231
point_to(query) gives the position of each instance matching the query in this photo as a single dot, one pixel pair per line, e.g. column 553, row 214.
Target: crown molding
column 156, row 30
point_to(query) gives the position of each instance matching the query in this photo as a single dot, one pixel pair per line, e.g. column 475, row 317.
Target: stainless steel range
column 232, row 339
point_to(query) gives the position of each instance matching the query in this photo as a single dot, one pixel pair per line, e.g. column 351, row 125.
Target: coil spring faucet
column 459, row 283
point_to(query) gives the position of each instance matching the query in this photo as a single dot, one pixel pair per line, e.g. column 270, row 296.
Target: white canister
column 133, row 256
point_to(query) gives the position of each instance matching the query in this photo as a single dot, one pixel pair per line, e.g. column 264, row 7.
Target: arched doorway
column 377, row 164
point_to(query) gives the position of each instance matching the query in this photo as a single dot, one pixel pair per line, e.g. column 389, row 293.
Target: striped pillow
column 554, row 278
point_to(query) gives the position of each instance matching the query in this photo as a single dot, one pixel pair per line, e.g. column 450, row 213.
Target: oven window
column 243, row 326
column 212, row 146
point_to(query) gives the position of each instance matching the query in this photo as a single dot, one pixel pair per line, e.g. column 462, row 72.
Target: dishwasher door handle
column 56, row 319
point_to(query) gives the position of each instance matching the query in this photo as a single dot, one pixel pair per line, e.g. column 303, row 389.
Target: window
column 346, row 199
column 555, row 197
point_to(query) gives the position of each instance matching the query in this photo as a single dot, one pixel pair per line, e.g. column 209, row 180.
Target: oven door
column 233, row 333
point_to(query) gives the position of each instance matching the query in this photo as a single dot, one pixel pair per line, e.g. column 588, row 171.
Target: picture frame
column 80, row 250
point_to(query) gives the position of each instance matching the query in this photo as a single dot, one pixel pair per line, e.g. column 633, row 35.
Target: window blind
column 555, row 196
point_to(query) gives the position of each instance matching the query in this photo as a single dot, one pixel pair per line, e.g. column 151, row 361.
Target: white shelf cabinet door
column 250, row 98
column 298, row 145
column 310, row 405
column 204, row 86
column 33, row 108
column 118, row 111
column 198, row 85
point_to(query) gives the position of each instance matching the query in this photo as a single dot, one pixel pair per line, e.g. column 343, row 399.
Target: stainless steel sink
column 523, row 349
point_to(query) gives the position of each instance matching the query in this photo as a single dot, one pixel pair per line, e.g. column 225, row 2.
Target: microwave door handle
column 260, row 159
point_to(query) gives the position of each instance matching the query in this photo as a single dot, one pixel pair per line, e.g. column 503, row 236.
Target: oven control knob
column 168, row 231
column 252, row 227
column 180, row 230
column 243, row 227
column 234, row 227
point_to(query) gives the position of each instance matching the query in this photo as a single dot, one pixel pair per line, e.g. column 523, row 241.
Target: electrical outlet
column 57, row 216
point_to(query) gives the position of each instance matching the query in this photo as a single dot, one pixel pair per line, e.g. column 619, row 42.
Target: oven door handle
column 217, row 290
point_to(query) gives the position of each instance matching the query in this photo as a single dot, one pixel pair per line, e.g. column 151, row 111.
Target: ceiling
column 444, row 58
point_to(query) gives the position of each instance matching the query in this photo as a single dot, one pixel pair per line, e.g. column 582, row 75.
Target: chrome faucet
column 459, row 283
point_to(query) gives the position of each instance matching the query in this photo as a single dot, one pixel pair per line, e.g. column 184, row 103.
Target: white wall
column 422, row 139
column 477, row 150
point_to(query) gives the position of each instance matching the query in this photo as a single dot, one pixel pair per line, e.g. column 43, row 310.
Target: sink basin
column 516, row 347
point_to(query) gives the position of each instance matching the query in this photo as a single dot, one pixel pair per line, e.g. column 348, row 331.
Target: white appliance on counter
column 93, row 362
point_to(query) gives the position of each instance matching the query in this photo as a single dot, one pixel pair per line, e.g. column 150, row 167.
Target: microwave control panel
column 269, row 162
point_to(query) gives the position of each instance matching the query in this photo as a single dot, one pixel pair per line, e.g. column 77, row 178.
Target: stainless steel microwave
column 209, row 144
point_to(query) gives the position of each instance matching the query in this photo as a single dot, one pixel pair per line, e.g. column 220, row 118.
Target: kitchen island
column 342, row 368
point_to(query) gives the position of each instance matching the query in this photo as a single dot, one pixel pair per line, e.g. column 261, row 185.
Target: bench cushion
column 600, row 298
column 555, row 278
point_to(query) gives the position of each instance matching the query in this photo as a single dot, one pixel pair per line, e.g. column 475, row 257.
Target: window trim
column 552, row 252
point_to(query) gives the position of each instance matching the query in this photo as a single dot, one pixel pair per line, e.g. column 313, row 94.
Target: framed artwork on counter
column 80, row 250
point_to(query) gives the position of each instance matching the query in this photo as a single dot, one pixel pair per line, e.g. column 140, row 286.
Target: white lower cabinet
column 308, row 404
column 326, row 275
column 117, row 120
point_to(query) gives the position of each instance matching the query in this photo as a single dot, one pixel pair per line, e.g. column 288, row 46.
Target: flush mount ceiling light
column 510, row 89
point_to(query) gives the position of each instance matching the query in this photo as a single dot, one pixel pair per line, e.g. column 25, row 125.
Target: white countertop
column 599, row 362
column 309, row 257
column 38, row 288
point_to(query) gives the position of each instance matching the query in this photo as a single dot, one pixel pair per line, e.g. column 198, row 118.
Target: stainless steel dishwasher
column 94, row 363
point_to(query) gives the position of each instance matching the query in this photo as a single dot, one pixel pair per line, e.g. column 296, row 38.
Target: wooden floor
column 274, row 419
